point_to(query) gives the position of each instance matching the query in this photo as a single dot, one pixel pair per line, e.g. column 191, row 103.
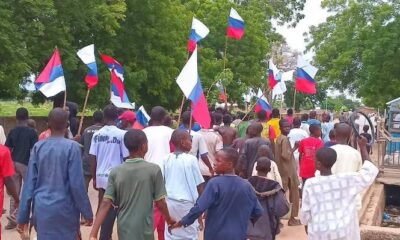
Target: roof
column 393, row 101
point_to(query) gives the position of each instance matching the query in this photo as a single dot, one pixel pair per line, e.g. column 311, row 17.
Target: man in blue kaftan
column 54, row 189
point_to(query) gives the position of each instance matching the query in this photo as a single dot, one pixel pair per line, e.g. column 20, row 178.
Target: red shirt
column 308, row 147
column 6, row 170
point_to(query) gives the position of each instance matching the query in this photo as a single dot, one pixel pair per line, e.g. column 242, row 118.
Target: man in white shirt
column 158, row 137
column 2, row 136
column 348, row 159
column 329, row 208
column 107, row 150
column 183, row 182
column 297, row 134
column 214, row 143
column 199, row 147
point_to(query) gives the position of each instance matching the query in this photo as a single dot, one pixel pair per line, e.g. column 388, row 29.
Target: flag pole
column 65, row 99
column 225, row 59
column 294, row 100
column 191, row 121
column 83, row 111
column 251, row 108
column 183, row 97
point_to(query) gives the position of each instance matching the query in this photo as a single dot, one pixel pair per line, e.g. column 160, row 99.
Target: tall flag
column 113, row 64
column 87, row 56
column 272, row 75
column 305, row 82
column 142, row 119
column 262, row 103
column 198, row 32
column 235, row 28
column 221, row 95
column 118, row 94
column 189, row 82
column 51, row 80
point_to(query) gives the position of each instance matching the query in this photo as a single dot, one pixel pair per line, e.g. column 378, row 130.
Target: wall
column 41, row 123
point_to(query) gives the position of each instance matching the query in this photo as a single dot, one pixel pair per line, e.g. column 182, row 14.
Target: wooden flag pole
column 183, row 97
column 225, row 59
column 65, row 99
column 281, row 103
column 294, row 100
column 83, row 111
column 191, row 121
column 250, row 109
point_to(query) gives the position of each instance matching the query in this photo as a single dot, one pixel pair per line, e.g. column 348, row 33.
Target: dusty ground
column 288, row 233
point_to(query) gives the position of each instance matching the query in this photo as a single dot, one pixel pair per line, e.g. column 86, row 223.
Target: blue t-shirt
column 231, row 202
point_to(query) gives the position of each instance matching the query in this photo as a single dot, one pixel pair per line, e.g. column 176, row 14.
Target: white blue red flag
column 51, row 80
column 118, row 94
column 305, row 82
column 198, row 32
column 142, row 118
column 235, row 28
column 87, row 56
column 262, row 103
column 189, row 82
column 272, row 75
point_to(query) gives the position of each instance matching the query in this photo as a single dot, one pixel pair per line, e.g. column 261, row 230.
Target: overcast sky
column 314, row 15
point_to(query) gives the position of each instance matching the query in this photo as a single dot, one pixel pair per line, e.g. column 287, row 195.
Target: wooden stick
column 225, row 59
column 83, row 111
column 183, row 97
column 281, row 103
column 191, row 121
column 181, row 109
column 65, row 99
column 294, row 100
column 263, row 94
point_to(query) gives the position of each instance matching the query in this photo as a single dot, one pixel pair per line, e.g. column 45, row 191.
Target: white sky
column 314, row 15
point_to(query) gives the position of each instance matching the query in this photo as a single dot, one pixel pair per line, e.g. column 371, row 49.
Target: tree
column 358, row 48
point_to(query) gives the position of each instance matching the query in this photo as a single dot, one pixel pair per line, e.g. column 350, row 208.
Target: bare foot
column 294, row 222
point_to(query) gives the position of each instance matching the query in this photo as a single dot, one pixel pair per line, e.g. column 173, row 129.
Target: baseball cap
column 128, row 116
column 314, row 122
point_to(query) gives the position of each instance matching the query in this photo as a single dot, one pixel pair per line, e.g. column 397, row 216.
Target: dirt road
column 287, row 233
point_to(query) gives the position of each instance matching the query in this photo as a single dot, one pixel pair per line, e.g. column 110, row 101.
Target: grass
column 8, row 108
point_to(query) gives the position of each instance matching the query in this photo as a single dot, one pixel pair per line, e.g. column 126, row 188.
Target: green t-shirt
column 242, row 127
column 133, row 186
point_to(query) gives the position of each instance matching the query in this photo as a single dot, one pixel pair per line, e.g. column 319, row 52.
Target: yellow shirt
column 274, row 123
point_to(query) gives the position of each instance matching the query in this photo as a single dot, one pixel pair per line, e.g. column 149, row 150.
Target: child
column 308, row 147
column 287, row 168
column 6, row 173
column 329, row 201
column 229, row 200
column 272, row 199
column 368, row 137
column 183, row 182
column 332, row 139
column 133, row 186
column 263, row 151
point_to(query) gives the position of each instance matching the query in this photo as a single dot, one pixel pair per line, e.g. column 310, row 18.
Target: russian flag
column 262, row 103
column 87, row 56
column 113, row 64
column 198, row 32
column 305, row 82
column 142, row 119
column 235, row 28
column 189, row 82
column 272, row 75
column 51, row 80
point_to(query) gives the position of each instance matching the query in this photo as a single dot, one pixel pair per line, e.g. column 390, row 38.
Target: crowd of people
column 235, row 179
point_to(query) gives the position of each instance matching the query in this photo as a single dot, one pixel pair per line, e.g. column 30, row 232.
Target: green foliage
column 358, row 48
column 148, row 37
